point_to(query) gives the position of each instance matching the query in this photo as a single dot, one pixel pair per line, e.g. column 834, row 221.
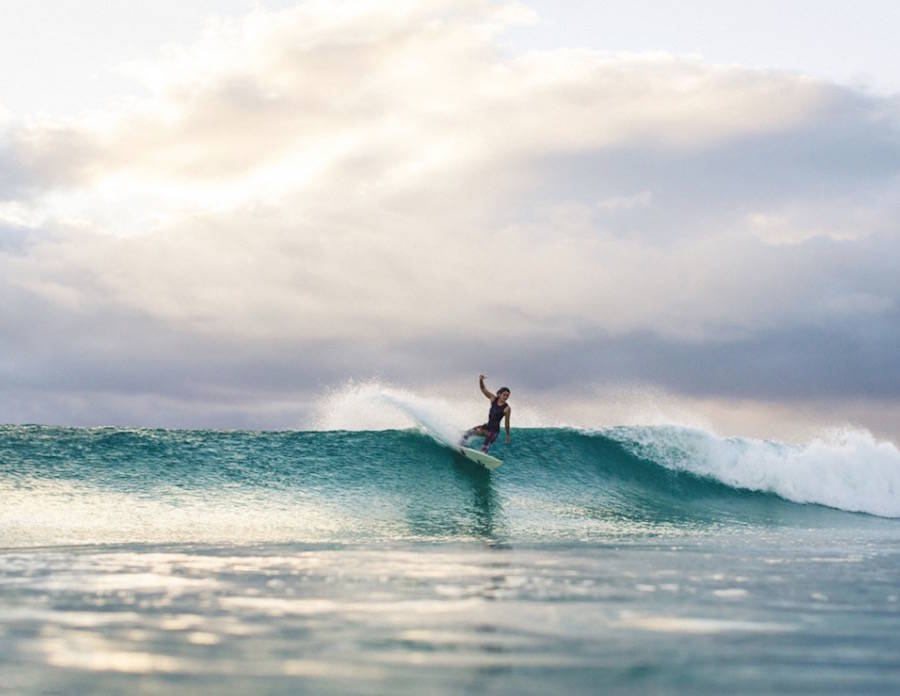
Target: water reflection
column 459, row 501
column 485, row 506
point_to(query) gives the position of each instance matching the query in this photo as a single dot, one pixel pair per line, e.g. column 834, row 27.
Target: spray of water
column 374, row 406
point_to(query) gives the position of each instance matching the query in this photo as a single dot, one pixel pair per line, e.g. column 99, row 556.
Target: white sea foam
column 846, row 469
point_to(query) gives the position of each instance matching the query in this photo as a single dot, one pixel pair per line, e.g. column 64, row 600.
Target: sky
column 214, row 213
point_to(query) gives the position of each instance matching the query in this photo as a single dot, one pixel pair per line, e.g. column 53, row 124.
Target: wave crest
column 847, row 469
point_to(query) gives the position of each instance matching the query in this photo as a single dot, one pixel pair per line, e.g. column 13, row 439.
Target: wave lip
column 849, row 470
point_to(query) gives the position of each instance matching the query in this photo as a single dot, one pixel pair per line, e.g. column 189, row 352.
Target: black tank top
column 495, row 415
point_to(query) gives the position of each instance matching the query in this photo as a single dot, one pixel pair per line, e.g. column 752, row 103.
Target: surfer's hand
column 508, row 438
column 480, row 378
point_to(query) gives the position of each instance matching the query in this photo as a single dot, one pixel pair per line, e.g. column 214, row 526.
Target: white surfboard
column 486, row 460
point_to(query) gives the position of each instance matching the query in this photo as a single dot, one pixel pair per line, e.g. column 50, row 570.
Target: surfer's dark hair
column 503, row 389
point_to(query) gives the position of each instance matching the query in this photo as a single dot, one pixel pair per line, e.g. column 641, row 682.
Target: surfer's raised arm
column 484, row 389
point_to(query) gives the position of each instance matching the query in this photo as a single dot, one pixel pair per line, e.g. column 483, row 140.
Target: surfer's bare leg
column 489, row 438
column 477, row 430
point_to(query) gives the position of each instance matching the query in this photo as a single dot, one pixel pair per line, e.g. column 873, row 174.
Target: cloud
column 340, row 191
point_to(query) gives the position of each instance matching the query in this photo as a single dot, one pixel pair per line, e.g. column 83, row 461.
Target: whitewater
column 365, row 555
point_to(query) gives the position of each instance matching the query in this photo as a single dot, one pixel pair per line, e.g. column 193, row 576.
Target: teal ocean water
column 624, row 560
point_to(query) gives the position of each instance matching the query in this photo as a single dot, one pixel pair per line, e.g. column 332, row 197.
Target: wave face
column 109, row 485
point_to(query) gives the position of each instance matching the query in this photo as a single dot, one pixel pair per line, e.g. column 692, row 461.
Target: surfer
column 499, row 408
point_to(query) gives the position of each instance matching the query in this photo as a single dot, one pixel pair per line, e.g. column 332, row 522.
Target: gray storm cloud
column 322, row 194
